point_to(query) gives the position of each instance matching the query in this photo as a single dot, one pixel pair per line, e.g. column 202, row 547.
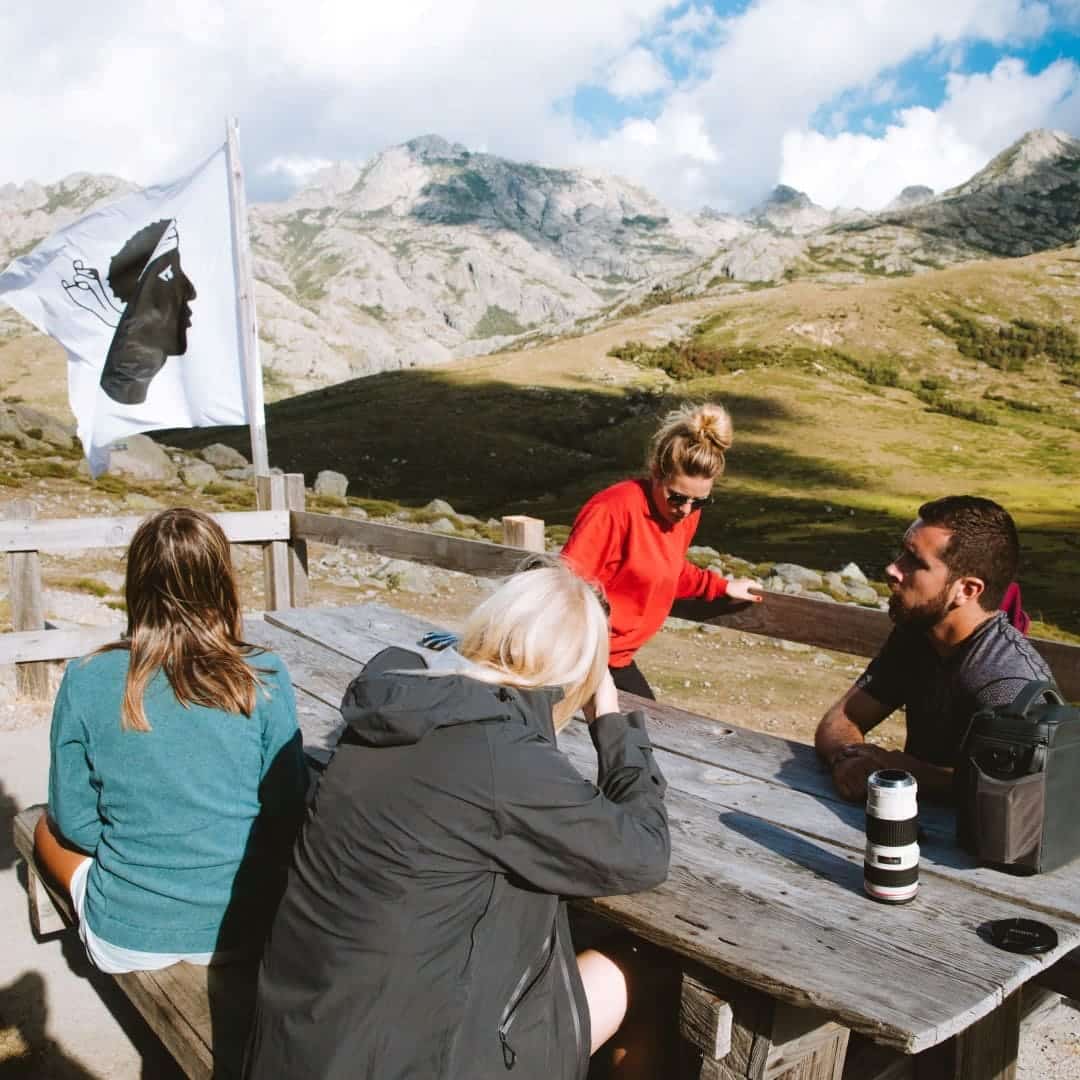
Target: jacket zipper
column 524, row 985
column 565, row 972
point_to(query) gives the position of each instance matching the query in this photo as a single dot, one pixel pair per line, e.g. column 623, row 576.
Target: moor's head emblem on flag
column 152, row 317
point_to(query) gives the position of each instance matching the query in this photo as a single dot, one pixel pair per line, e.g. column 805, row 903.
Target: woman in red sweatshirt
column 632, row 538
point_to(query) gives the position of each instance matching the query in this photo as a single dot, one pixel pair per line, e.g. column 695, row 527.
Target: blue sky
column 701, row 103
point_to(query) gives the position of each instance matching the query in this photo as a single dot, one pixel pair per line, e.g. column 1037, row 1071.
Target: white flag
column 142, row 294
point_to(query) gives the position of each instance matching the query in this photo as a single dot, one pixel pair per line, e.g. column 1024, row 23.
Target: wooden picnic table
column 764, row 906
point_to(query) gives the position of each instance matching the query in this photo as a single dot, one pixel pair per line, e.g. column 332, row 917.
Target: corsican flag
column 142, row 294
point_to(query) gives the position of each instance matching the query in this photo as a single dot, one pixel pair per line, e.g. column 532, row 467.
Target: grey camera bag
column 1017, row 782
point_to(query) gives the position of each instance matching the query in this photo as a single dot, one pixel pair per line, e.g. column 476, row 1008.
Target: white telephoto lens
column 891, row 863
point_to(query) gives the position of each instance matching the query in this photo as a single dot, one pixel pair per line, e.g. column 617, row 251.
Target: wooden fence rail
column 75, row 534
column 841, row 627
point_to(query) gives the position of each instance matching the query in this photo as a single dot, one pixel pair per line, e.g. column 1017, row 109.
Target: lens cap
column 1021, row 935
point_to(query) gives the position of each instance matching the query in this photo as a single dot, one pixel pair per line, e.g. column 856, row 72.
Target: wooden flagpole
column 270, row 491
column 247, row 329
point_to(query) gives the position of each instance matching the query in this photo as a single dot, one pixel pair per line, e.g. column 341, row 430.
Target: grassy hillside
column 851, row 404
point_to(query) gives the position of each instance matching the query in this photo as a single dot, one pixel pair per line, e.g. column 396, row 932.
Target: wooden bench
column 201, row 1014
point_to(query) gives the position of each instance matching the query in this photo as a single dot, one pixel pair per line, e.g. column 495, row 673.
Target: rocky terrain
column 429, row 252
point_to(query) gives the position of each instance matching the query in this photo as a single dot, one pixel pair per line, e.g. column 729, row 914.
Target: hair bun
column 712, row 423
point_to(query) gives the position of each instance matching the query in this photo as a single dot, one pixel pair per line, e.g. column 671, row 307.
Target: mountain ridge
column 429, row 252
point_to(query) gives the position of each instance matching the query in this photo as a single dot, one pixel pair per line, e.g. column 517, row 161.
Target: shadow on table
column 804, row 773
column 821, row 859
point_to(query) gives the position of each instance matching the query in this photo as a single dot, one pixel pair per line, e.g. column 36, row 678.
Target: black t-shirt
column 941, row 693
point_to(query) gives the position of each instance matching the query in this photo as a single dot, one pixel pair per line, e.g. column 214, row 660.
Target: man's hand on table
column 853, row 764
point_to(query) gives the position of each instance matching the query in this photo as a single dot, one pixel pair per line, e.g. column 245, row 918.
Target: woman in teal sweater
column 177, row 776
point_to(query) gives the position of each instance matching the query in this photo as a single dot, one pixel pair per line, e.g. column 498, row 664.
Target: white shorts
column 112, row 958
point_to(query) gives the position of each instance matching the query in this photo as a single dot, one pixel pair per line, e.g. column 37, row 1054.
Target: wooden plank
column 357, row 632
column 298, row 553
column 704, row 1019
column 451, row 552
column 845, row 628
column 149, row 993
column 27, row 607
column 78, row 534
column 522, row 531
column 842, row 627
column 28, row 645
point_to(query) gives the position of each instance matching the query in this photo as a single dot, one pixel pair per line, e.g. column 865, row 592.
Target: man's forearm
column 834, row 733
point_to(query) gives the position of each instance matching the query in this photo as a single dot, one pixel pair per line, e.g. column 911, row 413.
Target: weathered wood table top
column 766, row 872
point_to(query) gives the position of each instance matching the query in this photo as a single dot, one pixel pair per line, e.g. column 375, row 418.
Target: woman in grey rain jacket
column 422, row 932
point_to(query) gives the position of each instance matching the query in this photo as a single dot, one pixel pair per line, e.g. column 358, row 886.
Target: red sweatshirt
column 620, row 542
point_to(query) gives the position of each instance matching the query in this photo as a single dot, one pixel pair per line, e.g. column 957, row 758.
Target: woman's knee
column 606, row 993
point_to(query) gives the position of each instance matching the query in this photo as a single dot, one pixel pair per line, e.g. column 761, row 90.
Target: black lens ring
column 892, row 879
column 892, row 833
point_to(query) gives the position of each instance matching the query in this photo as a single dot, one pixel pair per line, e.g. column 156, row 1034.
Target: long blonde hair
column 543, row 627
column 184, row 617
column 692, row 441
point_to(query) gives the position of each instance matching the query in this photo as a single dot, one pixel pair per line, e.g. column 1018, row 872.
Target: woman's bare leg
column 605, row 991
column 54, row 854
column 632, row 1009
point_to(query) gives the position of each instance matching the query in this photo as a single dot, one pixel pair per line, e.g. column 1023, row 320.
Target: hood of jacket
column 394, row 701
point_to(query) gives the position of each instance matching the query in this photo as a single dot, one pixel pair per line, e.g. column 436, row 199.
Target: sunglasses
column 677, row 498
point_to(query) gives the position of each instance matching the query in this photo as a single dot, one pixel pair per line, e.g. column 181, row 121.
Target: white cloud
column 776, row 64
column 981, row 115
column 298, row 170
column 114, row 87
column 637, row 74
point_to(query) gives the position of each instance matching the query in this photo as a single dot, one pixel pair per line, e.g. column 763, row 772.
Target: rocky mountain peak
column 434, row 148
column 1037, row 154
column 912, row 195
column 789, row 198
column 791, row 211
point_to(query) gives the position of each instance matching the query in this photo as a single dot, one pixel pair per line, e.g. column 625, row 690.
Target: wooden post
column 523, row 532
column 298, row 557
column 27, row 609
column 270, row 494
column 985, row 1051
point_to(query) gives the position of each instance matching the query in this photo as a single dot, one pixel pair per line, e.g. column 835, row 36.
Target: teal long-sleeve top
column 190, row 824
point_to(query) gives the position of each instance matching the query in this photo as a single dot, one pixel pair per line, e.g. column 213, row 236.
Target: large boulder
column 43, row 426
column 407, row 576
column 793, row 574
column 198, row 474
column 331, row 484
column 439, row 506
column 223, row 457
column 138, row 457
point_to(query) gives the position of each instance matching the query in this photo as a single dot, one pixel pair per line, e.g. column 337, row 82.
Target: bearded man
column 950, row 653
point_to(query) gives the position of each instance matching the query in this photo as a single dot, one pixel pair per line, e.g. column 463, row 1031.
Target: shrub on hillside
column 962, row 410
column 1009, row 347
